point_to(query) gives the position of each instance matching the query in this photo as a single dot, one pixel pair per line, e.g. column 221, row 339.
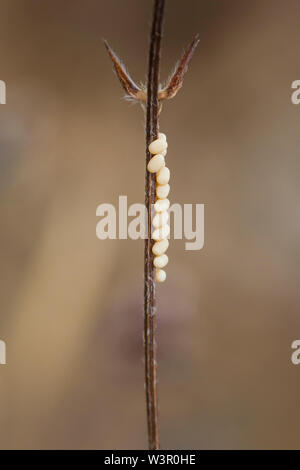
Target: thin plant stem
column 153, row 95
column 152, row 127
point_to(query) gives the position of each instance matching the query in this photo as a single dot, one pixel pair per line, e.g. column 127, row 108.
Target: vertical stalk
column 152, row 127
column 153, row 97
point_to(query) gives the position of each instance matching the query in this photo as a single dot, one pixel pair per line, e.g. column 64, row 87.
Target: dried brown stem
column 152, row 113
column 131, row 89
column 176, row 80
column 136, row 93
column 153, row 97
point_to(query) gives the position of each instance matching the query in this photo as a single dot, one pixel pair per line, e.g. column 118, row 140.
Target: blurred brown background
column 71, row 305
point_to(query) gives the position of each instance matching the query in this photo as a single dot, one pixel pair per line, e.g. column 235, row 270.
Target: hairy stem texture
column 152, row 127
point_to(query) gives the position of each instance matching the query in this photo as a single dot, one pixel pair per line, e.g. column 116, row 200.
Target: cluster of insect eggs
column 157, row 165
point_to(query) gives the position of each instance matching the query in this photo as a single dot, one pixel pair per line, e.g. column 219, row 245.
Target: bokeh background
column 72, row 305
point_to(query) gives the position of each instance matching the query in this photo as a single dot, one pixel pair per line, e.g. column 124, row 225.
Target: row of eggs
column 157, row 165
